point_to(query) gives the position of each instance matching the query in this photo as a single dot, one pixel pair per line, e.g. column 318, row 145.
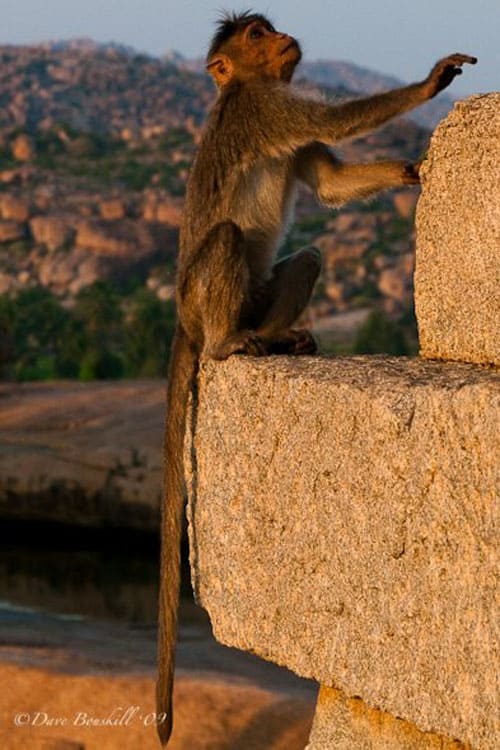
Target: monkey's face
column 256, row 51
column 267, row 52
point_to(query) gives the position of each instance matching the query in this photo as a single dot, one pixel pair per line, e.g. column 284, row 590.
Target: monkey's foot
column 243, row 342
column 295, row 341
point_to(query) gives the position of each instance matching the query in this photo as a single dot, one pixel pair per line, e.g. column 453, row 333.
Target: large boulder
column 112, row 209
column 13, row 208
column 23, row 148
column 125, row 238
column 169, row 212
column 11, row 230
column 165, row 211
column 71, row 270
column 457, row 275
column 343, row 723
column 344, row 523
column 52, row 231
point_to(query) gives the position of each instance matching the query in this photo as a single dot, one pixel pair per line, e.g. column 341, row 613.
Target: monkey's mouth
column 289, row 46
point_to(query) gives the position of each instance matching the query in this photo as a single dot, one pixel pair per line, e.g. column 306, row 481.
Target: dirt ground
column 66, row 712
column 69, row 683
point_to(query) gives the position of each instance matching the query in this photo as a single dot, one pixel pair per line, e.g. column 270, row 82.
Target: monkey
column 233, row 298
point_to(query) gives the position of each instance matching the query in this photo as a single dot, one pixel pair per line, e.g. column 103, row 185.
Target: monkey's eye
column 255, row 33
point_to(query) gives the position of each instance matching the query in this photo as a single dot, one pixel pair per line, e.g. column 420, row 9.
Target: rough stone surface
column 169, row 212
column 23, row 148
column 164, row 211
column 52, row 231
column 82, row 453
column 74, row 268
column 404, row 203
column 118, row 239
column 344, row 524
column 14, row 209
column 113, row 209
column 342, row 723
column 392, row 283
column 457, row 276
column 11, row 230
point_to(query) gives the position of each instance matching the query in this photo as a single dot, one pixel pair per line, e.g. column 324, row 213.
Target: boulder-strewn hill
column 112, row 88
column 96, row 88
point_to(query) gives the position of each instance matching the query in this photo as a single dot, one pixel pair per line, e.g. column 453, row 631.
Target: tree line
column 106, row 334
column 102, row 334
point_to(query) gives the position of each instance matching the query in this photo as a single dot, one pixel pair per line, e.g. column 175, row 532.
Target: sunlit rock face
column 343, row 524
column 457, row 276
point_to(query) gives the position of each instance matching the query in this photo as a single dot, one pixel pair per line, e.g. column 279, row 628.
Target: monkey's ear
column 221, row 69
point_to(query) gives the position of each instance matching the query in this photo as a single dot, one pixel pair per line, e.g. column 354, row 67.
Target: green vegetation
column 7, row 161
column 68, row 150
column 175, row 138
column 110, row 160
column 148, row 333
column 381, row 335
column 16, row 249
column 102, row 336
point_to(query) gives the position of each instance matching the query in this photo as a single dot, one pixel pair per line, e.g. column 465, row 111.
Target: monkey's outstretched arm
column 284, row 121
column 335, row 182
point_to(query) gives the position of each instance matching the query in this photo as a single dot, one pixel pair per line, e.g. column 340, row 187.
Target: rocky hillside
column 112, row 89
column 64, row 234
column 95, row 147
column 98, row 89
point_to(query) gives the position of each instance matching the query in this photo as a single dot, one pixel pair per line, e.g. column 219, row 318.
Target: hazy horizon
column 388, row 40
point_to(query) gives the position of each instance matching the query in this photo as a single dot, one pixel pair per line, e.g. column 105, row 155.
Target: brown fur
column 232, row 298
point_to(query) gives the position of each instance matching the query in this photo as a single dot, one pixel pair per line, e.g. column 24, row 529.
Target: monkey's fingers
column 459, row 59
column 411, row 174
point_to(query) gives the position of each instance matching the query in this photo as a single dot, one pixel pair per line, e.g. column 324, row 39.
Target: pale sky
column 399, row 37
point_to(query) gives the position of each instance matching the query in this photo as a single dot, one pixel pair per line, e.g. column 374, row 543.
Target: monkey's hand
column 411, row 173
column 444, row 71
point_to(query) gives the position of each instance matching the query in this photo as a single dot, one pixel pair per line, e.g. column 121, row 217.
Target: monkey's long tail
column 182, row 371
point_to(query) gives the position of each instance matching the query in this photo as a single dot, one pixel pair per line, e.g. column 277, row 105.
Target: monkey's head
column 247, row 46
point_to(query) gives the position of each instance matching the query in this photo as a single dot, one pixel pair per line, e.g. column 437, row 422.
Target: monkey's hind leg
column 288, row 294
column 223, row 295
